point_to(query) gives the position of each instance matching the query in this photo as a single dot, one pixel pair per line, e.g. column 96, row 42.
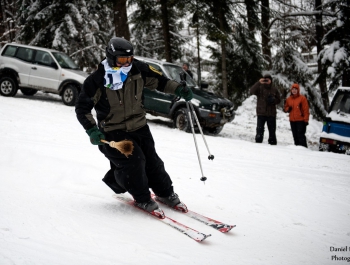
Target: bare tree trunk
column 121, row 19
column 199, row 58
column 224, row 68
column 166, row 30
column 2, row 18
column 346, row 73
column 250, row 15
column 265, row 33
column 195, row 20
column 319, row 36
column 223, row 57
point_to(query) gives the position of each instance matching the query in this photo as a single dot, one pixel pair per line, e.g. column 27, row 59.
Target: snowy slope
column 290, row 204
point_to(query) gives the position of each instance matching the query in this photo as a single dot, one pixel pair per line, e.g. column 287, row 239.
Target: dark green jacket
column 119, row 109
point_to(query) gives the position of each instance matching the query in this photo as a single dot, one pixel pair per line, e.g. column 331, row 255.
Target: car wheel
column 215, row 130
column 28, row 91
column 70, row 95
column 181, row 120
column 8, row 87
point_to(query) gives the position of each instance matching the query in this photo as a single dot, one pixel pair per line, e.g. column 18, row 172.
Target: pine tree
column 220, row 16
column 156, row 27
column 244, row 63
column 244, row 59
column 335, row 57
column 195, row 15
column 289, row 38
column 80, row 29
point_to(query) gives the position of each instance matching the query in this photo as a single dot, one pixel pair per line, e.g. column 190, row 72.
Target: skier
column 114, row 90
column 268, row 97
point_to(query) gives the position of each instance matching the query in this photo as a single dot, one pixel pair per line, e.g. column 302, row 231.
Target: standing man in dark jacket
column 114, row 90
column 268, row 97
column 186, row 68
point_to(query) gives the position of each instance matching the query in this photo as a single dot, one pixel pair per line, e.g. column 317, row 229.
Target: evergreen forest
column 228, row 43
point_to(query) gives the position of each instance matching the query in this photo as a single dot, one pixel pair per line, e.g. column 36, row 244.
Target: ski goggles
column 123, row 60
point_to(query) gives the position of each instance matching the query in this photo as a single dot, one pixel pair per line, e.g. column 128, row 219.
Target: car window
column 347, row 105
column 24, row 54
column 342, row 103
column 10, row 51
column 43, row 58
column 174, row 72
column 65, row 61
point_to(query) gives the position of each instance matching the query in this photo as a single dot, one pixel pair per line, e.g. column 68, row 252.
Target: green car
column 212, row 111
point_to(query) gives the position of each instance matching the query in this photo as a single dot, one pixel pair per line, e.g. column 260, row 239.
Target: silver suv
column 31, row 68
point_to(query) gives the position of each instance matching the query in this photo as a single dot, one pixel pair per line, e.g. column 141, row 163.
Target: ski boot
column 174, row 202
column 151, row 207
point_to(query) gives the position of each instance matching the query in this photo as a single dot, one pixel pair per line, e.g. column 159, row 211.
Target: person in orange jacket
column 298, row 108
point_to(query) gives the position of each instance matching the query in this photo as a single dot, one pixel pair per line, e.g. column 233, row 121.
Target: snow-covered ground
column 291, row 205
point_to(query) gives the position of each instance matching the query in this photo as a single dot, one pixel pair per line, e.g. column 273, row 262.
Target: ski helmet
column 118, row 47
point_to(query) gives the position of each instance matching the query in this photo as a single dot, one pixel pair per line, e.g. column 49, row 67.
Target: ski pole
column 195, row 141
column 190, row 109
column 210, row 157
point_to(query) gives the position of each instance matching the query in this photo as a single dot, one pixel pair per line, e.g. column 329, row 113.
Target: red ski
column 217, row 225
column 159, row 215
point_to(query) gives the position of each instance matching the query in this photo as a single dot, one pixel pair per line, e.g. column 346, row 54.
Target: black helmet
column 118, row 47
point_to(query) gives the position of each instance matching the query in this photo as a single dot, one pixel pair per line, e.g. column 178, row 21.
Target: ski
column 217, row 225
column 159, row 215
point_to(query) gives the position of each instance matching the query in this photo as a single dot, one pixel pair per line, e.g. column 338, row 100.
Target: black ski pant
column 260, row 129
column 140, row 171
column 298, row 131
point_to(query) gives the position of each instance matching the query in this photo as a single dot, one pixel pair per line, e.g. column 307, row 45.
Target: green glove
column 184, row 92
column 95, row 136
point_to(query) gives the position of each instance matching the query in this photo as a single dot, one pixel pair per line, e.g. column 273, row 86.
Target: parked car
column 335, row 136
column 213, row 112
column 31, row 68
